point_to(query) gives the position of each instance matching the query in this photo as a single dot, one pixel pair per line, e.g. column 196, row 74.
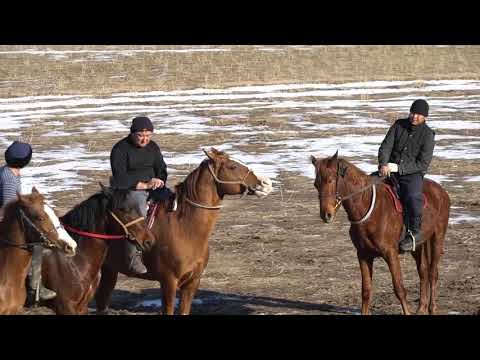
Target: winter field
column 271, row 107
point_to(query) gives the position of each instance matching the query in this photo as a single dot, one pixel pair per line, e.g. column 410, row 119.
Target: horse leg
column 394, row 266
column 187, row 294
column 366, row 268
column 422, row 262
column 433, row 274
column 103, row 295
column 169, row 292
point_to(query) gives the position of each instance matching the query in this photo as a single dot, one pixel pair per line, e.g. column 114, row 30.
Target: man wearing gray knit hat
column 406, row 153
column 137, row 164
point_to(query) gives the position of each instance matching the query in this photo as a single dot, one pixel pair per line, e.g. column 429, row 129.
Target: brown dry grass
column 24, row 74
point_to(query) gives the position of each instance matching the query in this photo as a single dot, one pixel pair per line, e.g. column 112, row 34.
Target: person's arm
column 10, row 186
column 121, row 178
column 386, row 147
column 423, row 160
column 160, row 167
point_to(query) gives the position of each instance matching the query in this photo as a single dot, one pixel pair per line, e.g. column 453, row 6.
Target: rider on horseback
column 137, row 164
column 17, row 156
column 407, row 151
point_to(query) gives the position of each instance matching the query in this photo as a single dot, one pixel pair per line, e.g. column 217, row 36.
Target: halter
column 219, row 181
column 340, row 199
column 45, row 241
column 128, row 235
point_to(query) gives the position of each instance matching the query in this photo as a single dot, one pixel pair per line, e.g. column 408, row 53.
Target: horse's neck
column 206, row 188
column 205, row 193
column 12, row 231
column 14, row 262
column 90, row 253
column 358, row 205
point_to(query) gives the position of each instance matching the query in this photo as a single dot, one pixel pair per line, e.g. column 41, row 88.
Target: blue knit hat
column 18, row 155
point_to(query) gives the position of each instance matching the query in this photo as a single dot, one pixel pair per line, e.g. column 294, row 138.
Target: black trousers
column 411, row 194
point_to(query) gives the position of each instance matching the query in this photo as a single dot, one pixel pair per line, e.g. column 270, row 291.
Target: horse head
column 234, row 177
column 128, row 208
column 39, row 218
column 328, row 173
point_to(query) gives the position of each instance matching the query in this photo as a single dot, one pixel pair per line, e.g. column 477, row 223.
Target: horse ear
column 335, row 157
column 313, row 159
column 215, row 151
column 35, row 191
column 211, row 154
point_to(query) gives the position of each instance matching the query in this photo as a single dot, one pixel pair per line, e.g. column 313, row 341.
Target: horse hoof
column 422, row 311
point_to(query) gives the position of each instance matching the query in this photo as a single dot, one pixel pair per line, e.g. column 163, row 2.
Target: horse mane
column 8, row 211
column 85, row 215
column 354, row 172
column 187, row 188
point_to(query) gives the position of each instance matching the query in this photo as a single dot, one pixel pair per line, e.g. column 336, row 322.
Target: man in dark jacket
column 137, row 164
column 407, row 151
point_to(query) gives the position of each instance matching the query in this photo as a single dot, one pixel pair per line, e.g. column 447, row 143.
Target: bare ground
column 270, row 256
column 275, row 256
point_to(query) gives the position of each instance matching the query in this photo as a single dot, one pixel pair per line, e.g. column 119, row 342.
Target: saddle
column 393, row 189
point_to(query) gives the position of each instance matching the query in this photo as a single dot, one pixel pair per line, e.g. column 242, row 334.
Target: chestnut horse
column 105, row 217
column 180, row 253
column 27, row 222
column 376, row 226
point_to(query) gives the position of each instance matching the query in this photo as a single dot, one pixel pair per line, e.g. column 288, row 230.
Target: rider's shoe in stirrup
column 136, row 265
column 411, row 241
column 46, row 294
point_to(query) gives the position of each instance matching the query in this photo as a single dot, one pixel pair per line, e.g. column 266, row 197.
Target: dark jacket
column 131, row 164
column 411, row 147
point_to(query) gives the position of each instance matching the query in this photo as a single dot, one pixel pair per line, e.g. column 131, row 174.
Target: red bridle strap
column 93, row 235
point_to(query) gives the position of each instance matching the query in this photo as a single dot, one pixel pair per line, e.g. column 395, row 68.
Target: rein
column 104, row 236
column 218, row 181
column 340, row 199
column 28, row 246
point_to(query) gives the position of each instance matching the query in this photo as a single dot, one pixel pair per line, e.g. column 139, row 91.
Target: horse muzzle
column 263, row 189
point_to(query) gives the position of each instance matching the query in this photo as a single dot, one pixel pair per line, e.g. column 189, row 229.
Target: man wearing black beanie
column 406, row 152
column 137, row 164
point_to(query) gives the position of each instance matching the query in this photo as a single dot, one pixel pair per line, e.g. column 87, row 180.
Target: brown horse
column 180, row 253
column 376, row 227
column 106, row 217
column 27, row 222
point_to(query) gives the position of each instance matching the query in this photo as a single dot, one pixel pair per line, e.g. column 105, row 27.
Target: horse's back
column 434, row 191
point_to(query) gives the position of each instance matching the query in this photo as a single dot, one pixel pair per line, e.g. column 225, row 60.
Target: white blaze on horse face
column 62, row 233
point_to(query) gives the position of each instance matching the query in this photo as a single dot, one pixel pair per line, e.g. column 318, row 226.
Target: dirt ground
column 275, row 256
column 271, row 255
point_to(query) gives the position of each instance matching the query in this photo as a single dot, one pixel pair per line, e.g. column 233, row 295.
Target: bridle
column 45, row 241
column 125, row 227
column 339, row 199
column 128, row 235
column 219, row 181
